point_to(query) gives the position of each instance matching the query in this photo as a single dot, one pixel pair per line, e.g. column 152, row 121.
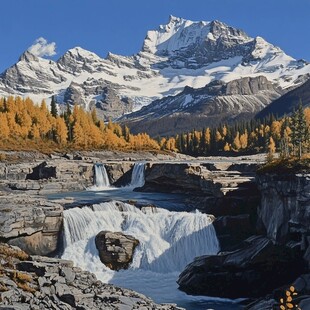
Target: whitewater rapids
column 168, row 242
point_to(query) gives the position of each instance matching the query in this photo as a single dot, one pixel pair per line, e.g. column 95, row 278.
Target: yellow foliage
column 288, row 302
column 24, row 126
column 227, row 147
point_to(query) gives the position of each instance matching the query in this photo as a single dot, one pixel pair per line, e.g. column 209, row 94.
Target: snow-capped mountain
column 207, row 106
column 179, row 54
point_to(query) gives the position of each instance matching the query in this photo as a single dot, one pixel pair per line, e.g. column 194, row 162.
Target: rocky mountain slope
column 180, row 54
column 288, row 102
column 207, row 106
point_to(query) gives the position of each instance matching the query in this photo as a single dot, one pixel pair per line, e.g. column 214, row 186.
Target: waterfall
column 137, row 177
column 101, row 179
column 168, row 240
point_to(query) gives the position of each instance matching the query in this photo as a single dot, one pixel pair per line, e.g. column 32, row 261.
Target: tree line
column 25, row 125
column 290, row 136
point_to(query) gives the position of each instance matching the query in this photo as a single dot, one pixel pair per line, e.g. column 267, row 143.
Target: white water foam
column 168, row 242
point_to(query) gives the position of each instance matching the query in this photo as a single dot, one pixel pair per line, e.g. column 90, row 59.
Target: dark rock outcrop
column 284, row 213
column 289, row 101
column 252, row 271
column 180, row 178
column 232, row 230
column 116, row 249
column 119, row 173
column 38, row 282
column 42, row 171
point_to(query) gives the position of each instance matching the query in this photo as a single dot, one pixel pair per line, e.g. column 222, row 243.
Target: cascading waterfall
column 137, row 177
column 168, row 242
column 101, row 177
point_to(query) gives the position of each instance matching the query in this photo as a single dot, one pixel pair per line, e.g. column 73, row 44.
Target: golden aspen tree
column 35, row 132
column 126, row 133
column 171, row 145
column 10, row 104
column 244, row 140
column 227, row 147
column 101, row 126
column 224, row 131
column 78, row 135
column 307, row 116
column 4, row 126
column 162, row 143
column 61, row 131
column 218, row 136
column 276, row 130
column 271, row 149
column 236, row 142
column 208, row 136
column 94, row 115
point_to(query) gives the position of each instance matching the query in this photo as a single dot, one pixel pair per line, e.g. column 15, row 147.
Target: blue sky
column 120, row 26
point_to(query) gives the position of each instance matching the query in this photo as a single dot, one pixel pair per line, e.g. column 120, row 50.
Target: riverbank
column 245, row 206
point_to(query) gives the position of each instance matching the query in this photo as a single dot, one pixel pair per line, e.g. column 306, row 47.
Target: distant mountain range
column 187, row 74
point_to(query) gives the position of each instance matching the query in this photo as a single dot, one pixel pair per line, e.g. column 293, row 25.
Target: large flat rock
column 32, row 223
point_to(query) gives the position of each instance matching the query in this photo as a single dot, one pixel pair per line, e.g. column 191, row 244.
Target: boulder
column 252, row 271
column 116, row 249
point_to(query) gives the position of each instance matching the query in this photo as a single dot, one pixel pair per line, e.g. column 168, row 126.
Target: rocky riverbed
column 262, row 223
column 37, row 282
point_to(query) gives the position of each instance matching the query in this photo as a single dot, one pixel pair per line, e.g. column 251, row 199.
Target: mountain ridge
column 178, row 54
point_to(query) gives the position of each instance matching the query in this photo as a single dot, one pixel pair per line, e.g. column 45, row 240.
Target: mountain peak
column 179, row 34
column 79, row 52
column 176, row 34
column 28, row 56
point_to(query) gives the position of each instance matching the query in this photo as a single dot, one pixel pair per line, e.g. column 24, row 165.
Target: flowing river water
column 169, row 237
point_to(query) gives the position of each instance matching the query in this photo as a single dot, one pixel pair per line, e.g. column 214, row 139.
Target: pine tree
column 54, row 110
column 299, row 130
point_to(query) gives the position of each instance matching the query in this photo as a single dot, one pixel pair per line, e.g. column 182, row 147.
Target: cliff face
column 283, row 218
column 32, row 223
column 284, row 212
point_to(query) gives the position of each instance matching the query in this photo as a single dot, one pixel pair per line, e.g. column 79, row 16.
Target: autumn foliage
column 25, row 125
column 290, row 136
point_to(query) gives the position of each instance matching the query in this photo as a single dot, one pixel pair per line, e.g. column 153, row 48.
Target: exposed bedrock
column 119, row 173
column 194, row 178
column 116, row 249
column 36, row 282
column 251, row 271
column 284, row 212
column 34, row 224
column 51, row 176
column 263, row 264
